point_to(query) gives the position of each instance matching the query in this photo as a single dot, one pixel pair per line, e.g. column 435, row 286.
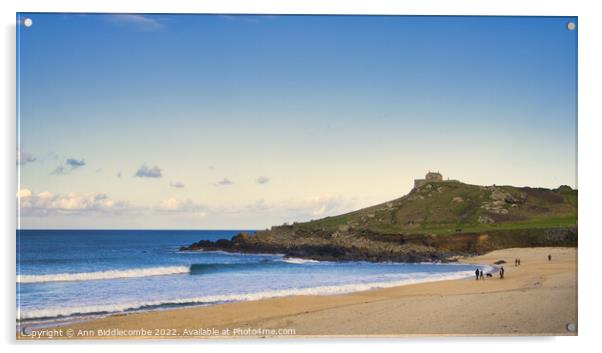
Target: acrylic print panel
column 201, row 176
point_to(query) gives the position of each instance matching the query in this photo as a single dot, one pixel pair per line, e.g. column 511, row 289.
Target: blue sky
column 225, row 121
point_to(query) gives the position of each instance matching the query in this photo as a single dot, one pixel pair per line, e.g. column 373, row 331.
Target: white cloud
column 320, row 206
column 69, row 209
column 173, row 204
column 46, row 202
column 140, row 22
column 313, row 207
column 170, row 204
column 24, row 193
column 45, row 194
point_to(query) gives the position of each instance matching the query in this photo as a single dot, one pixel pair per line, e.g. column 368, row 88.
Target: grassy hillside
column 451, row 207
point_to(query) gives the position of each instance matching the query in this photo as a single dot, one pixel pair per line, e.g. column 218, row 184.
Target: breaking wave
column 101, row 275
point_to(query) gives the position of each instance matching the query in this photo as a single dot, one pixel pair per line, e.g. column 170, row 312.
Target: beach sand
column 537, row 298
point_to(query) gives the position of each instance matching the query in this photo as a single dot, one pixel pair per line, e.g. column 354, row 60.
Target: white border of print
column 590, row 57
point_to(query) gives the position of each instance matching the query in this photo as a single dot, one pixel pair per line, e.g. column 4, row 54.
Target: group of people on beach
column 479, row 273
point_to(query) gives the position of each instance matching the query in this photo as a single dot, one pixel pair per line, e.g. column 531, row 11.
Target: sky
column 248, row 121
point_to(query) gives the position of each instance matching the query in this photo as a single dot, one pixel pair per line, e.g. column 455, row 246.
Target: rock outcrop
column 434, row 222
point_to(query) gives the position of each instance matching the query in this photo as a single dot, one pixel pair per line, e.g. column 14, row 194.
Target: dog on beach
column 489, row 275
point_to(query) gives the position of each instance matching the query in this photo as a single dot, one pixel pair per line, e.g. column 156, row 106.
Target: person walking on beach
column 549, row 257
column 519, row 262
column 502, row 272
column 476, row 272
column 515, row 262
column 481, row 275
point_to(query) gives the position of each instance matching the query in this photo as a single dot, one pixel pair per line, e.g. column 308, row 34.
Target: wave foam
column 213, row 299
column 101, row 275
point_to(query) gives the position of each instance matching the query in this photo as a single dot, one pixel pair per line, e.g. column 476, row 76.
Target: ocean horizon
column 68, row 275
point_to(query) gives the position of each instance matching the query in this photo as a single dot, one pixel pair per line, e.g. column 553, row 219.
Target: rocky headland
column 437, row 221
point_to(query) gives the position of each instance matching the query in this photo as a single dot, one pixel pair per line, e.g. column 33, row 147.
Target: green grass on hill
column 452, row 207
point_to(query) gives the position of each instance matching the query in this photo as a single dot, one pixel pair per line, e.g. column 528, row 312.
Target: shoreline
column 512, row 306
column 62, row 318
column 342, row 289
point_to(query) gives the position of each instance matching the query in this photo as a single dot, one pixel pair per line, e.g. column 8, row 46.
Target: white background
column 589, row 176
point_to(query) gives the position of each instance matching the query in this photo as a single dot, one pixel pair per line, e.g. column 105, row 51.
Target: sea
column 72, row 275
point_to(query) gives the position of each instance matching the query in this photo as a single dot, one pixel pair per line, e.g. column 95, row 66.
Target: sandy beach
column 537, row 298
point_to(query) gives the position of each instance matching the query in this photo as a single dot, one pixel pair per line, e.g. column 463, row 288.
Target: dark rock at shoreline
column 385, row 248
